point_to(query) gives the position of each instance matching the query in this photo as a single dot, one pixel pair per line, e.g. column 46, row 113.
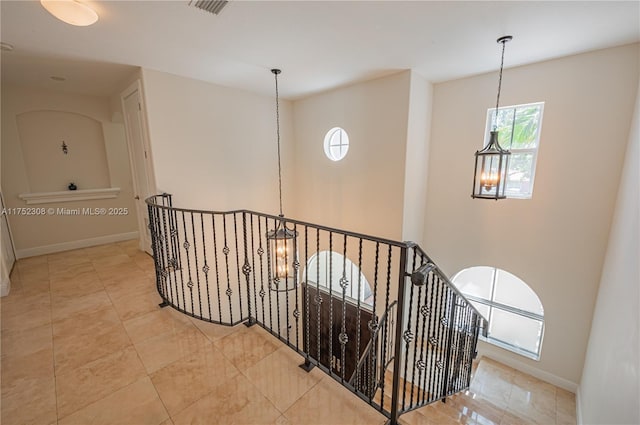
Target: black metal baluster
column 373, row 327
column 433, row 331
column 402, row 272
column 170, row 275
column 235, row 237
column 296, row 267
column 186, row 246
column 330, row 286
column 197, row 271
column 358, row 354
column 269, row 277
column 179, row 252
column 286, row 286
column 306, row 296
column 423, row 335
column 226, row 251
column 215, row 256
column 343, row 338
column 253, row 267
column 246, row 268
column 416, row 333
column 319, row 297
column 262, row 292
column 408, row 338
column 205, row 267
column 398, row 332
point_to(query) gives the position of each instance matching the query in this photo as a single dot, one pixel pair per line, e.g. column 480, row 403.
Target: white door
column 140, row 158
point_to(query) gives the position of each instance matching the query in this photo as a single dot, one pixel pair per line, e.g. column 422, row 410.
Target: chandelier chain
column 495, row 117
column 278, row 134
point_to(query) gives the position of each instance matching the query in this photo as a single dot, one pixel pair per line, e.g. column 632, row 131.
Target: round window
column 336, row 144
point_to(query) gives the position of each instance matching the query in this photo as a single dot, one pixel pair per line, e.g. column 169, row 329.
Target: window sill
column 69, row 195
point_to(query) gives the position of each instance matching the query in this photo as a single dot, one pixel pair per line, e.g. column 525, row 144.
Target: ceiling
column 318, row 44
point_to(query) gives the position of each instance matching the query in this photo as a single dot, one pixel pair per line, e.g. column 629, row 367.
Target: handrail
column 150, row 201
column 450, row 284
column 369, row 347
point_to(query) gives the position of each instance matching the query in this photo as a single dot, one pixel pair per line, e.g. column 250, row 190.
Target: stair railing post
column 395, row 396
column 451, row 321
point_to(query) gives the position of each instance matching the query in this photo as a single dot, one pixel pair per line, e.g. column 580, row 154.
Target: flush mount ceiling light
column 492, row 162
column 70, row 11
column 282, row 253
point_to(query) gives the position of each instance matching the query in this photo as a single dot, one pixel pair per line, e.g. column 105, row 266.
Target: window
column 514, row 311
column 336, row 144
column 328, row 269
column 519, row 131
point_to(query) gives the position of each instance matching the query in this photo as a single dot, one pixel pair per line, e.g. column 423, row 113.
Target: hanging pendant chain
column 495, row 117
column 278, row 133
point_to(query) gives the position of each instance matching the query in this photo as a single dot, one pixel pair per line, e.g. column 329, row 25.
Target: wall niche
column 49, row 169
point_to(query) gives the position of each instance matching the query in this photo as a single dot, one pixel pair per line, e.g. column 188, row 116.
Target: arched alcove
column 49, row 169
column 327, row 268
column 514, row 310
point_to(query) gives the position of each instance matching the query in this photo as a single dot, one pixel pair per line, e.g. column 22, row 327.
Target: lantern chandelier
column 492, row 162
column 282, row 240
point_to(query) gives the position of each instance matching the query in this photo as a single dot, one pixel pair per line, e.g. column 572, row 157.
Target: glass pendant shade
column 492, row 164
column 283, row 258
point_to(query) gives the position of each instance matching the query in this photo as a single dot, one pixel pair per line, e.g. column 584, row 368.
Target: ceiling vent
column 211, row 6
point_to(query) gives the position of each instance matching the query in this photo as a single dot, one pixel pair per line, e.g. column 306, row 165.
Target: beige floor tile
column 164, row 349
column 32, row 261
column 27, row 319
column 539, row 407
column 137, row 403
column 32, row 402
column 134, row 301
column 84, row 385
column 247, row 347
column 67, row 269
column 100, row 251
column 234, row 402
column 191, row 378
column 66, row 308
column 215, row 332
column 82, row 339
column 167, row 422
column 15, row 304
column 158, row 322
column 279, row 377
column 121, row 274
column 24, row 342
column 329, row 403
column 20, row 372
column 112, row 262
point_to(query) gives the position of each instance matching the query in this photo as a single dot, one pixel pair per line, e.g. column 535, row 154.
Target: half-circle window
column 514, row 311
column 329, row 269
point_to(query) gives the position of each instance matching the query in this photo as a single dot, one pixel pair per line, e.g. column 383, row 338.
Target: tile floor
column 84, row 342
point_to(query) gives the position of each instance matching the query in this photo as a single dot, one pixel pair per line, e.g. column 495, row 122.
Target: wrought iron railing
column 397, row 316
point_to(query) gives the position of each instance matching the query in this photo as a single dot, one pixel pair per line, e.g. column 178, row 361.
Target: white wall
column 35, row 235
column 610, row 386
column 364, row 191
column 555, row 241
column 417, row 158
column 214, row 147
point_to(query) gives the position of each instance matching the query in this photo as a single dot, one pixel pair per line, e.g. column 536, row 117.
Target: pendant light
column 282, row 240
column 492, row 162
column 71, row 11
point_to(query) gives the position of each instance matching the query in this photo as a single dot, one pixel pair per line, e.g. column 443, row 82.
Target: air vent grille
column 211, row 6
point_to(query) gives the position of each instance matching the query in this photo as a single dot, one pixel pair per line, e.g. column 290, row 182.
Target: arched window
column 514, row 311
column 327, row 268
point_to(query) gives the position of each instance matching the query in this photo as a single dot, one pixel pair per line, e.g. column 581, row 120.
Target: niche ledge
column 69, row 195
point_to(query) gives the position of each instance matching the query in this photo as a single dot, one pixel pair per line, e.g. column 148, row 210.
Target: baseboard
column 5, row 286
column 578, row 407
column 83, row 243
column 533, row 371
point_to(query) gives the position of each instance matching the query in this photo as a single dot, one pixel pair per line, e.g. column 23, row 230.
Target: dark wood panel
column 332, row 325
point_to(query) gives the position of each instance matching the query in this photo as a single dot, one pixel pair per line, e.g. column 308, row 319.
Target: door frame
column 147, row 164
